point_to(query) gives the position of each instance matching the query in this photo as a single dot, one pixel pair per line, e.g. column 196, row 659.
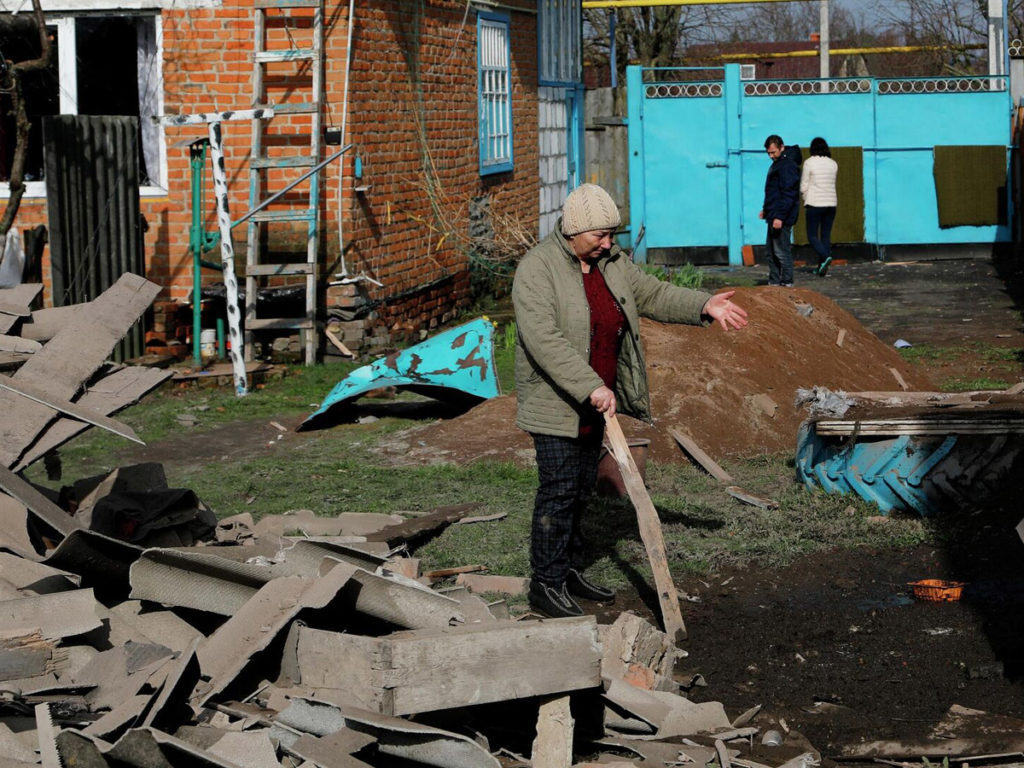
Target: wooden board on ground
column 650, row 530
column 697, row 454
column 426, row 670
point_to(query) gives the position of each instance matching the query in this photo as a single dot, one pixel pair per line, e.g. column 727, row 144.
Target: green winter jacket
column 553, row 375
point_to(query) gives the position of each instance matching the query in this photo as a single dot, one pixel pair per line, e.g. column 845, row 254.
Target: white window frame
column 68, row 86
column 494, row 93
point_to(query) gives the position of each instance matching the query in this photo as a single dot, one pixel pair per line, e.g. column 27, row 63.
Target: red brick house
column 459, row 113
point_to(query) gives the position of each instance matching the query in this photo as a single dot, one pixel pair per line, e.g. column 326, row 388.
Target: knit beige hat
column 589, row 207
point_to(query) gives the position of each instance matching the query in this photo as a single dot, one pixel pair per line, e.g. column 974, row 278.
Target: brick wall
column 412, row 120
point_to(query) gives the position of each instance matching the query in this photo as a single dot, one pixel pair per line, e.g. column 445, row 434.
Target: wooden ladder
column 288, row 58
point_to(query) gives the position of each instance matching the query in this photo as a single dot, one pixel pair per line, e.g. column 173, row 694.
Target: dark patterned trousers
column 567, row 471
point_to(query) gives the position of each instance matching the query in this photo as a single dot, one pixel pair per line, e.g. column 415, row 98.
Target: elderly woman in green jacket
column 578, row 301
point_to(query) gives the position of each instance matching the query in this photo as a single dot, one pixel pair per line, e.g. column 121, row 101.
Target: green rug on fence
column 970, row 185
column 849, row 223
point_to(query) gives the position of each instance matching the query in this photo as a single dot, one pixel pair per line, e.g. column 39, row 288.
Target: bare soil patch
column 733, row 392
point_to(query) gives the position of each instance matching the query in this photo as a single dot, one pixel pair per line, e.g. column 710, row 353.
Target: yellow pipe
column 844, row 51
column 644, row 3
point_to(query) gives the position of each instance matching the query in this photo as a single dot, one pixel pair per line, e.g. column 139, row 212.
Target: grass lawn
column 334, row 470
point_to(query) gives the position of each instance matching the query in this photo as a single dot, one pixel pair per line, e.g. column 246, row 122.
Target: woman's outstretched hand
column 720, row 308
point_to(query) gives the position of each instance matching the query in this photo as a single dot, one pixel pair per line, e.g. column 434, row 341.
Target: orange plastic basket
column 938, row 590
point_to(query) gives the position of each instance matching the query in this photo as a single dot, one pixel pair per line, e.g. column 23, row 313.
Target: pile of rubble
column 137, row 630
column 263, row 649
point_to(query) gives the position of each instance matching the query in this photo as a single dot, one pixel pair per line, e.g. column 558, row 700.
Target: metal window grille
column 495, row 94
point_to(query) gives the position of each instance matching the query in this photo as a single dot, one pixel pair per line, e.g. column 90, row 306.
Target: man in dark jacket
column 781, row 206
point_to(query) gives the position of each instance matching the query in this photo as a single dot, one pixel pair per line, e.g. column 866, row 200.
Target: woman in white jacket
column 818, row 189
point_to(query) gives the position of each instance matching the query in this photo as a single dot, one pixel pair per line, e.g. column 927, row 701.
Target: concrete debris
column 636, row 651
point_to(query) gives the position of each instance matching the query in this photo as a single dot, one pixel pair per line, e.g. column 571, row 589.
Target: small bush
column 686, row 276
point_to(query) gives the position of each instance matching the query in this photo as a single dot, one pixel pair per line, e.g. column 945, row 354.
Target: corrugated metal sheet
column 92, row 193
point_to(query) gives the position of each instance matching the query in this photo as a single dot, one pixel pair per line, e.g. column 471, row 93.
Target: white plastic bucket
column 208, row 342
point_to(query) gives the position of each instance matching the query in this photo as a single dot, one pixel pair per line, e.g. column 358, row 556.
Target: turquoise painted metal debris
column 456, row 364
column 913, row 452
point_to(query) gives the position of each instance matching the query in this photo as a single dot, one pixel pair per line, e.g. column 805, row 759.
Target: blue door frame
column 697, row 159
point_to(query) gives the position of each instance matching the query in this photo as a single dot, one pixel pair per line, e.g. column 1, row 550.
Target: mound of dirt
column 731, row 392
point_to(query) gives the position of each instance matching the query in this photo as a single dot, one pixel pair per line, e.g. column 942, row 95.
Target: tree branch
column 11, row 83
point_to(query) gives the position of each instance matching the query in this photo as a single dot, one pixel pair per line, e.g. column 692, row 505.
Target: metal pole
column 197, row 159
column 252, row 212
column 823, row 42
column 227, row 254
column 611, row 48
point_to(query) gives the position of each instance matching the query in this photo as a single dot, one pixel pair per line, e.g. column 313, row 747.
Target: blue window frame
column 494, row 93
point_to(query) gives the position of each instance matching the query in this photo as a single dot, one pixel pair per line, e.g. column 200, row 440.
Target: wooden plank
column 333, row 338
column 427, row 670
column 899, row 379
column 748, row 498
column 650, row 530
column 922, row 427
column 70, row 358
column 698, row 455
column 71, row 409
column 106, row 396
column 443, row 572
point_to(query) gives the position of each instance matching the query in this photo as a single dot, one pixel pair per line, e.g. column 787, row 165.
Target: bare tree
column 648, row 36
column 10, row 85
column 955, row 25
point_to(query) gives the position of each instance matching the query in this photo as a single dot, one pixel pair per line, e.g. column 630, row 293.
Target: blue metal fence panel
column 675, row 210
column 697, row 159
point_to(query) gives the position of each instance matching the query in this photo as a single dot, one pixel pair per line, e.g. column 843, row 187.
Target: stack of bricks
column 165, row 333
column 360, row 334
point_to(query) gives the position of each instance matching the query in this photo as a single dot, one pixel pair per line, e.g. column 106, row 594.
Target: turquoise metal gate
column 697, row 159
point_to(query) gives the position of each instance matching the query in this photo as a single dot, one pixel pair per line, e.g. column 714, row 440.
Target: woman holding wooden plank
column 578, row 300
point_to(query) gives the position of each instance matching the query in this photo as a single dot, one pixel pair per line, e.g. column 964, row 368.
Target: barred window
column 494, row 93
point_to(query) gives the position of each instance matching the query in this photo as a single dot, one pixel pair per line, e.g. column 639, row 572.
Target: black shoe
column 553, row 601
column 588, row 590
column 823, row 267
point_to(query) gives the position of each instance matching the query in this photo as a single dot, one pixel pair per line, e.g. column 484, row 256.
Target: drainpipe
column 612, row 17
column 344, row 125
